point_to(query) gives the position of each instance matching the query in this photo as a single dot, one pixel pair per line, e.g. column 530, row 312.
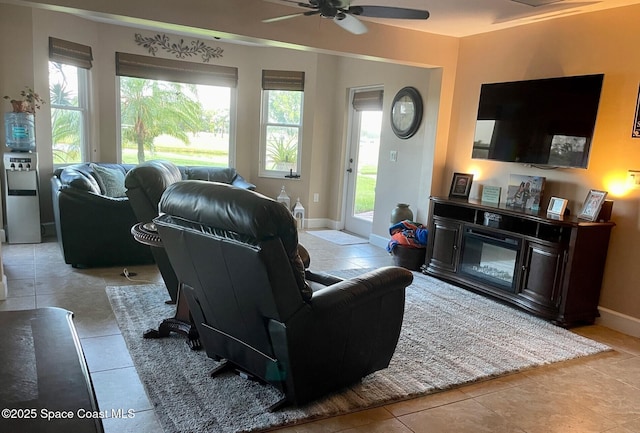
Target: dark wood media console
column 551, row 267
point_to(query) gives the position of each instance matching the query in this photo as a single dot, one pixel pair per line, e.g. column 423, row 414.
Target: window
column 177, row 111
column 280, row 143
column 69, row 65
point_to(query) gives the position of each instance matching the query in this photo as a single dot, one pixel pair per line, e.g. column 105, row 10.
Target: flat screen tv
column 546, row 122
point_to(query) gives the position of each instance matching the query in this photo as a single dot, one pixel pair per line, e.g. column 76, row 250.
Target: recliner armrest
column 321, row 278
column 361, row 289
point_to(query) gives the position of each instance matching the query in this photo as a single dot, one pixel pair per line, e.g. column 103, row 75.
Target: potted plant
column 29, row 101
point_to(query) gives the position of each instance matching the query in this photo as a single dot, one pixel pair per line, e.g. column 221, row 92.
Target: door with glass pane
column 362, row 167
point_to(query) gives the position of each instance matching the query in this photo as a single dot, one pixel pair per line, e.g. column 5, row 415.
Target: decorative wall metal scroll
column 181, row 50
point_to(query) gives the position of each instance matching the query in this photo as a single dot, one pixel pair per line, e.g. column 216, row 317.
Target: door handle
column 349, row 170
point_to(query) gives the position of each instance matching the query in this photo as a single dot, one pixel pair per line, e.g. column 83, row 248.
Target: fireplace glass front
column 491, row 258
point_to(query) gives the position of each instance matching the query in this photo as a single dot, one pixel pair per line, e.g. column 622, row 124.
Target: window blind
column 70, row 53
column 133, row 65
column 368, row 100
column 282, row 80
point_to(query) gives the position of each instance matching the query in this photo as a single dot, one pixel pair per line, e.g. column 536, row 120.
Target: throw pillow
column 112, row 179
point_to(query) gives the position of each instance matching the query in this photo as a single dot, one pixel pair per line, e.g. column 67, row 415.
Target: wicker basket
column 408, row 257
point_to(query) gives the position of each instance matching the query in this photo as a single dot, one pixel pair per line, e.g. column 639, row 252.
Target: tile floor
column 596, row 394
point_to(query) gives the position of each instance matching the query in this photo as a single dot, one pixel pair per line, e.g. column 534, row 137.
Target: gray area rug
column 450, row 337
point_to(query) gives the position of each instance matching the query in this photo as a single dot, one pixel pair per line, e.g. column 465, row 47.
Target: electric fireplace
column 491, row 258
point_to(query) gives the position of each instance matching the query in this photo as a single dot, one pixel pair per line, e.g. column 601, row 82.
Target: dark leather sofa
column 93, row 228
column 145, row 184
column 255, row 306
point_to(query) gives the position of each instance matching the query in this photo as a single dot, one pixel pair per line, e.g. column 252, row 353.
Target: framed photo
column 525, row 192
column 635, row 132
column 592, row 205
column 557, row 206
column 461, row 185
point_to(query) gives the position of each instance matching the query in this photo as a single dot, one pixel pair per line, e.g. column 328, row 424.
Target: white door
column 362, row 168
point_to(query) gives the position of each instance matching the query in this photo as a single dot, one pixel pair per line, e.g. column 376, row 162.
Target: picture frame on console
column 557, row 206
column 525, row 192
column 635, row 133
column 592, row 204
column 461, row 185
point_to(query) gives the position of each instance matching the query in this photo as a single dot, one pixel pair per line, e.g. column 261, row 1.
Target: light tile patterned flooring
column 596, row 394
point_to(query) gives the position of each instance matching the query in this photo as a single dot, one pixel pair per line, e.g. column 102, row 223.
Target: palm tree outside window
column 68, row 98
column 69, row 66
column 177, row 112
column 174, row 121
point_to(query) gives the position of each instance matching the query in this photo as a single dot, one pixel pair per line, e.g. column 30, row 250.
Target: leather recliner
column 236, row 255
column 145, row 184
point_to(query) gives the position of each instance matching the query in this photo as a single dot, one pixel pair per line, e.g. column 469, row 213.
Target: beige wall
column 397, row 182
column 601, row 42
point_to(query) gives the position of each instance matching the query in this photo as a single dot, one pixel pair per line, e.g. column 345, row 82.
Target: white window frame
column 263, row 171
column 83, row 109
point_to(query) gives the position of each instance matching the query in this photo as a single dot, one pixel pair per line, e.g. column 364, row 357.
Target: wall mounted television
column 547, row 122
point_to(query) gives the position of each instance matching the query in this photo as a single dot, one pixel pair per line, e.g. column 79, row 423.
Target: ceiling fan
column 345, row 15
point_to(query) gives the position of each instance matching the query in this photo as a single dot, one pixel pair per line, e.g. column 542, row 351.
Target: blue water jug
column 20, row 131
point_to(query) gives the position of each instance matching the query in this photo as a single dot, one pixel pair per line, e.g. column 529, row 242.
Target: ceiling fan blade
column 281, row 18
column 389, row 12
column 350, row 24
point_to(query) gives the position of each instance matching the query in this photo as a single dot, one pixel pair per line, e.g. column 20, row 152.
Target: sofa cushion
column 76, row 178
column 111, row 179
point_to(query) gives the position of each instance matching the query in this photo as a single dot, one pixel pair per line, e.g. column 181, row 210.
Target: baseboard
column 619, row 322
column 321, row 223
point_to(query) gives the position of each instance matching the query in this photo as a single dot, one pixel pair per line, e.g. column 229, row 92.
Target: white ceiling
column 461, row 18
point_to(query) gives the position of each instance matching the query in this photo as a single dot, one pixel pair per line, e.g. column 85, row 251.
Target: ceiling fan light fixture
column 326, row 10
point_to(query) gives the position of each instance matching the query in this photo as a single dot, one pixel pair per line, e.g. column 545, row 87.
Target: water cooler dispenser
column 21, row 197
column 22, row 200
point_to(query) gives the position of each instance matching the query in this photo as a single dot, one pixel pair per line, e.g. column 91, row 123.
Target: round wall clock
column 406, row 112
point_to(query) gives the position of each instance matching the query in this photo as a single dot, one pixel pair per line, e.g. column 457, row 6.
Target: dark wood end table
column 181, row 322
column 45, row 384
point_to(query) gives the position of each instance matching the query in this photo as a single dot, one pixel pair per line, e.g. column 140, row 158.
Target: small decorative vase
column 401, row 213
column 19, row 106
